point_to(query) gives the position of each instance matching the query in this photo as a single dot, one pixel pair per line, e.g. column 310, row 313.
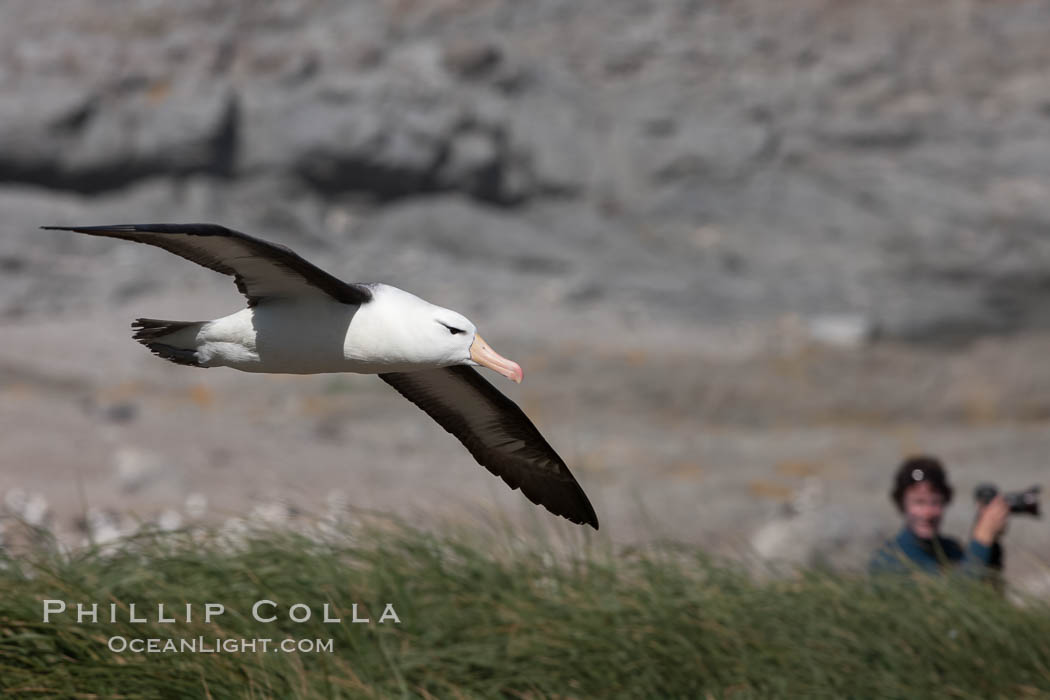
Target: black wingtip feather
column 91, row 229
column 195, row 229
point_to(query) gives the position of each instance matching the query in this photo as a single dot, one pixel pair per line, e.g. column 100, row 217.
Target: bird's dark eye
column 453, row 331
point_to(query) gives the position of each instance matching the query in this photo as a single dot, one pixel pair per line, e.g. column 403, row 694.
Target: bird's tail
column 175, row 341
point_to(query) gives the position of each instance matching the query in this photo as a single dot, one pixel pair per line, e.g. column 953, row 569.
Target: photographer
column 921, row 492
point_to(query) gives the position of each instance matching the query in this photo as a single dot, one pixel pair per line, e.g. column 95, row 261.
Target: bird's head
column 463, row 342
column 419, row 332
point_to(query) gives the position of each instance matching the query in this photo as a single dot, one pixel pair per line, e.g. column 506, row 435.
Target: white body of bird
column 395, row 332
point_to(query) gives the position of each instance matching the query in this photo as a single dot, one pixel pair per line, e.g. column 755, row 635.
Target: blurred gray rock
column 840, row 330
column 551, row 140
column 473, row 59
column 101, row 139
column 708, row 151
column 828, row 535
column 145, row 472
column 459, row 233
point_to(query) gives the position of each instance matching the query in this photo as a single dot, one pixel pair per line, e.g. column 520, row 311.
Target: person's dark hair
column 916, row 469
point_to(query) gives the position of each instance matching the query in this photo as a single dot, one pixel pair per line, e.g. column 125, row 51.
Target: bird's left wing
column 261, row 269
column 498, row 434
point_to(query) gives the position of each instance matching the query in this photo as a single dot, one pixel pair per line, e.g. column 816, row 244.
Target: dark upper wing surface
column 261, row 269
column 498, row 434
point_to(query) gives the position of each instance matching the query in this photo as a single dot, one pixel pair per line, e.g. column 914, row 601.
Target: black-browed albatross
column 302, row 320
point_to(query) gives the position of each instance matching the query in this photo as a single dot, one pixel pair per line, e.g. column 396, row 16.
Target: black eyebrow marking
column 452, row 330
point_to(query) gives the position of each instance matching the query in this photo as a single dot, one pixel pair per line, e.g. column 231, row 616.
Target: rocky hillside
column 703, row 162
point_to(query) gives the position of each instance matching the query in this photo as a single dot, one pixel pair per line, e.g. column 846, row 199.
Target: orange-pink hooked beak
column 485, row 356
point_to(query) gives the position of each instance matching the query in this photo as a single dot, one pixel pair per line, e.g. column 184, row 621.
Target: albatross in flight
column 302, row 320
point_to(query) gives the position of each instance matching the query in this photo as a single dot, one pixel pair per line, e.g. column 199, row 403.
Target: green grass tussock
column 487, row 618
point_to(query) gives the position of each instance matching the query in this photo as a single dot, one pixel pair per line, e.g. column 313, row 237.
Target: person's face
column 923, row 509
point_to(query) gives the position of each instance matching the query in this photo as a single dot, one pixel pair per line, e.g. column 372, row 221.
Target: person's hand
column 991, row 521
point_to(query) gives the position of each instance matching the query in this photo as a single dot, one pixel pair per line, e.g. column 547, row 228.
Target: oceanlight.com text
column 217, row 645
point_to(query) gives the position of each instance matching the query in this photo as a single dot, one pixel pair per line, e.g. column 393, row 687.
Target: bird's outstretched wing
column 261, row 269
column 498, row 434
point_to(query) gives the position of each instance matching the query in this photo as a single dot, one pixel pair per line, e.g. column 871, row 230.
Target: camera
column 1026, row 502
